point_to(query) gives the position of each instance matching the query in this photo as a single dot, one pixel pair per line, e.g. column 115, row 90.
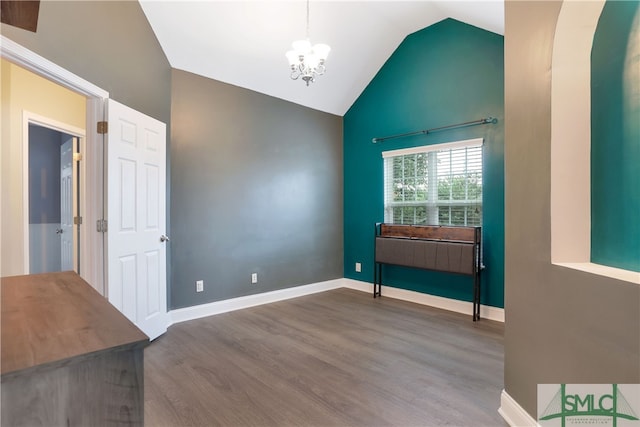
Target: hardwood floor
column 337, row 358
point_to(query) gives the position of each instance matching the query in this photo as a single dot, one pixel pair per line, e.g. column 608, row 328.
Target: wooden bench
column 450, row 249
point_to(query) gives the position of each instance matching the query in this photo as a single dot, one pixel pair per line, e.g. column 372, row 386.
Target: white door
column 66, row 206
column 136, row 246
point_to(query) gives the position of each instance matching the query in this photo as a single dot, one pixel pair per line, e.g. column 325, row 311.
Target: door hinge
column 77, row 220
column 77, row 157
column 103, row 127
column 101, row 225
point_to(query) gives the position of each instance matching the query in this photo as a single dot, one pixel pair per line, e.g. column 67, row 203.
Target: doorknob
column 59, row 230
column 164, row 238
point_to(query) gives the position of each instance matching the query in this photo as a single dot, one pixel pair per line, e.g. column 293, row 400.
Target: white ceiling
column 243, row 42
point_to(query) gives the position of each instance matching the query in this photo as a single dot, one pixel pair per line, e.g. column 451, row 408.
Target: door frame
column 36, row 119
column 93, row 254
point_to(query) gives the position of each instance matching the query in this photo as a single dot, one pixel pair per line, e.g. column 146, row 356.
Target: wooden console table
column 69, row 358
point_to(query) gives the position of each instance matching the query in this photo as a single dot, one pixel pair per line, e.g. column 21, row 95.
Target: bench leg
column 377, row 280
column 476, row 297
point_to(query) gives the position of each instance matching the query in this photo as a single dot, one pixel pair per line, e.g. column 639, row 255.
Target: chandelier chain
column 307, row 19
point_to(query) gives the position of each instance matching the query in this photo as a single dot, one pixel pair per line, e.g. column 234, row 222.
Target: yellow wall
column 24, row 91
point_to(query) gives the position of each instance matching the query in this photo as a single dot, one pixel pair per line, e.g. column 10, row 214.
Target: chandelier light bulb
column 322, row 50
column 293, row 58
column 312, row 60
column 302, row 46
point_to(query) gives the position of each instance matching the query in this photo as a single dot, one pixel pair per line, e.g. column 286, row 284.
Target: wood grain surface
column 433, row 232
column 58, row 318
column 99, row 391
column 20, row 13
column 69, row 358
column 337, row 358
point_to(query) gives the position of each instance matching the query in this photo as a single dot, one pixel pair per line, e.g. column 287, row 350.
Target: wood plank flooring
column 337, row 358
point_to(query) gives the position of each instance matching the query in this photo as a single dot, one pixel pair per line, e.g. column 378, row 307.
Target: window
column 435, row 185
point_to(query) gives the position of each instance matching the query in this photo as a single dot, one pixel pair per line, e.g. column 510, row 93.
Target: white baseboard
column 513, row 413
column 217, row 307
column 486, row 311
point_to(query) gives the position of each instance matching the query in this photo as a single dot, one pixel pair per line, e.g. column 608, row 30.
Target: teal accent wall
column 615, row 137
column 447, row 73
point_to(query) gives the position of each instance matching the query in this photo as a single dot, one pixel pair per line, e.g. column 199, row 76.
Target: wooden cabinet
column 69, row 358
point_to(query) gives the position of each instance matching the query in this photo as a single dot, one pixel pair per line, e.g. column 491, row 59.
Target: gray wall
column 44, row 198
column 562, row 325
column 256, row 187
column 277, row 211
column 44, row 175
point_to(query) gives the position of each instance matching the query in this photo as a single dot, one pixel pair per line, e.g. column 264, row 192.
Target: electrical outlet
column 358, row 267
column 199, row 285
column 254, row 277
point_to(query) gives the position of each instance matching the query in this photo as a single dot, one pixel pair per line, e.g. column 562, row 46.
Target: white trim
column 464, row 307
column 513, row 413
column 603, row 270
column 467, row 143
column 224, row 306
column 91, row 269
column 22, row 56
column 571, row 131
column 92, row 260
column 46, row 122
column 36, row 119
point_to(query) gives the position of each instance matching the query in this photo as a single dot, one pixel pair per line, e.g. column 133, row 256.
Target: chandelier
column 306, row 60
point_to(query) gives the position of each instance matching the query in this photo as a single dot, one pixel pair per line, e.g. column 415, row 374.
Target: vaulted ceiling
column 243, row 42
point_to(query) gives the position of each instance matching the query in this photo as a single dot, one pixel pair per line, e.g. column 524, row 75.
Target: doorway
column 54, row 205
column 145, row 216
column 42, row 93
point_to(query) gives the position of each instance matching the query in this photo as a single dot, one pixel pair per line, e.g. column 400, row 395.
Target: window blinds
column 434, row 185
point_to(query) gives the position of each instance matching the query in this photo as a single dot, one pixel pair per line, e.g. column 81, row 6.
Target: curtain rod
column 427, row 131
